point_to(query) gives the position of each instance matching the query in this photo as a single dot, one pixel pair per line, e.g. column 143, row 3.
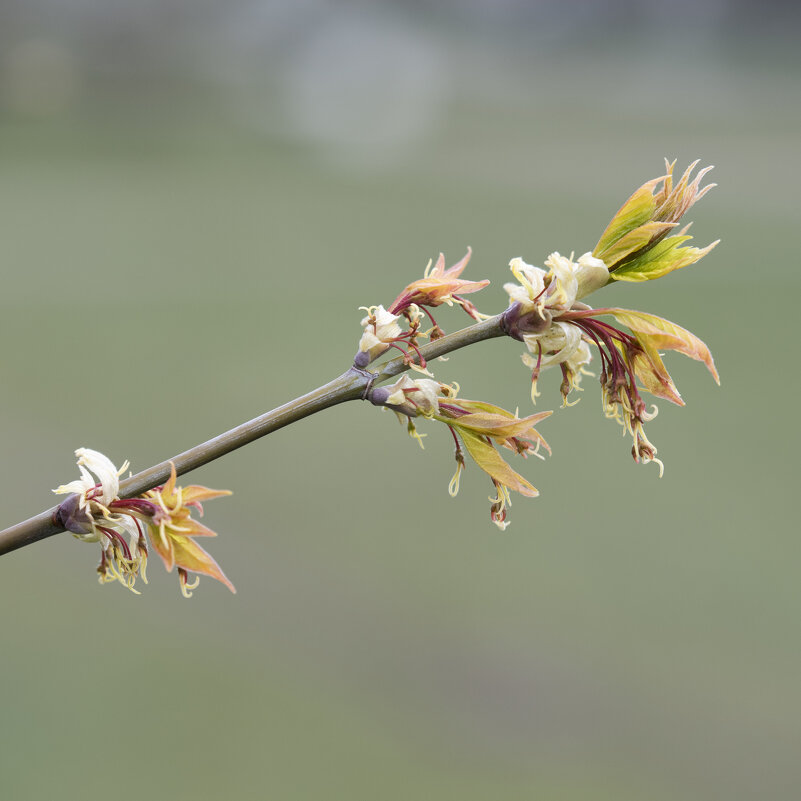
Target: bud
column 635, row 245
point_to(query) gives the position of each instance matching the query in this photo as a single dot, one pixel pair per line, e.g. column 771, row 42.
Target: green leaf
column 660, row 260
column 635, row 241
column 491, row 462
column 498, row 426
column 636, row 211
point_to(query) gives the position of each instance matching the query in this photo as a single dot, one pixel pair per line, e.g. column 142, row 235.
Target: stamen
column 453, row 486
column 415, row 434
column 186, row 587
column 535, row 374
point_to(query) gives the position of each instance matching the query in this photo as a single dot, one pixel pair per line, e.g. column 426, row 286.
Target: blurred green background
column 194, row 201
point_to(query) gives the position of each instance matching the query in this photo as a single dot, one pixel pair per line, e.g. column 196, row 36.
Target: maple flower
column 562, row 334
column 94, row 512
column 558, row 329
column 477, row 427
column 547, row 314
column 438, row 286
column 381, row 330
column 629, row 358
column 90, row 514
column 537, row 301
column 414, row 397
column 97, row 487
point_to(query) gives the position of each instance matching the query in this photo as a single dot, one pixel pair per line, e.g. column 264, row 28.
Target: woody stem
column 349, row 386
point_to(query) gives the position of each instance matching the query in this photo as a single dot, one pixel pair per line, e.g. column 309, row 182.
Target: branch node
column 371, row 378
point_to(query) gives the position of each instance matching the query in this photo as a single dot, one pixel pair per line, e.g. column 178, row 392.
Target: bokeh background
column 195, row 199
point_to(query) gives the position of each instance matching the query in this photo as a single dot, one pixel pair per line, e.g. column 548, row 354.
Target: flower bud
column 73, row 517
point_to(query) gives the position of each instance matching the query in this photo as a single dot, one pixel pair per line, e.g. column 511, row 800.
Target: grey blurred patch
column 365, row 88
column 40, row 78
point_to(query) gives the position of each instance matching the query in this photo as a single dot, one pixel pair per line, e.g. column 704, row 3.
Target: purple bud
column 361, row 359
column 72, row 517
column 379, row 396
column 515, row 322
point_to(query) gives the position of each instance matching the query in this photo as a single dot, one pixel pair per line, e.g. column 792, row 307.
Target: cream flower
column 591, row 274
column 558, row 344
column 416, row 396
column 563, row 284
column 380, row 330
column 560, row 286
column 546, row 294
column 90, row 514
column 98, row 486
column 531, row 286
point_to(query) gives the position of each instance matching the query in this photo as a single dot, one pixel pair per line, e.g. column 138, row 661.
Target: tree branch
column 351, row 385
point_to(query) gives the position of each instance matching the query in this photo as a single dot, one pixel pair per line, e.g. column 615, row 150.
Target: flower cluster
column 94, row 512
column 547, row 314
column 476, row 427
column 438, row 286
column 537, row 299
